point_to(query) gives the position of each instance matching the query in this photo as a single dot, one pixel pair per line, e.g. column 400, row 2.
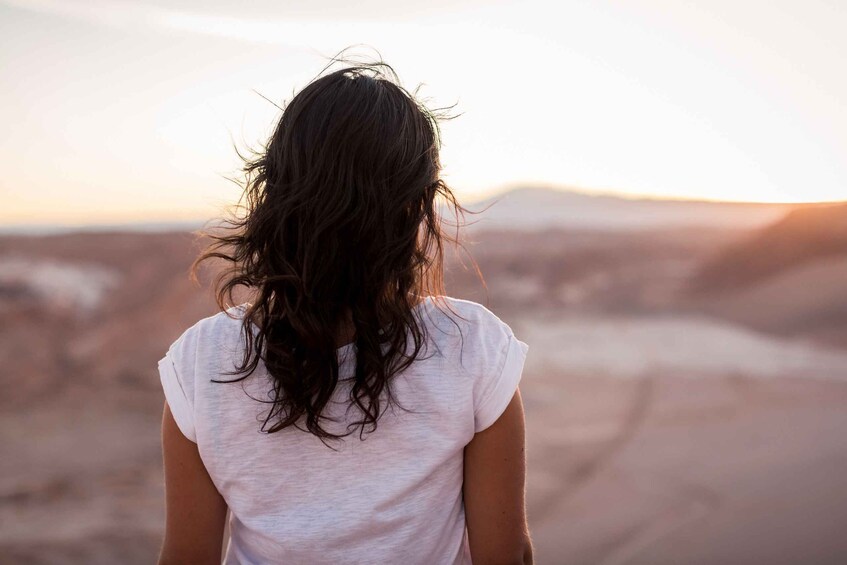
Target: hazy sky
column 123, row 111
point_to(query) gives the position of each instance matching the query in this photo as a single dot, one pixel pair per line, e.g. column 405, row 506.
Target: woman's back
column 396, row 494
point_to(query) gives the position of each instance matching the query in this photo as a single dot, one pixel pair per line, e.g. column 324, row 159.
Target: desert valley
column 685, row 390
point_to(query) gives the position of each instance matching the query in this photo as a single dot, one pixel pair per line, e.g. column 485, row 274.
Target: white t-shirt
column 395, row 497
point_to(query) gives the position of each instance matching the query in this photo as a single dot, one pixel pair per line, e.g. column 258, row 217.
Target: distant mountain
column 543, row 208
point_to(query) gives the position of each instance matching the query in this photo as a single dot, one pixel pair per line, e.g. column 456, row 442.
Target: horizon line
column 164, row 225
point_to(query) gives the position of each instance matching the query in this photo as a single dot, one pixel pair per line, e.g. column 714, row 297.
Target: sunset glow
column 127, row 111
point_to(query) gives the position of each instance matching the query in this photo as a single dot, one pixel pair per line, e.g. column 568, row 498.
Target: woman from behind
column 350, row 411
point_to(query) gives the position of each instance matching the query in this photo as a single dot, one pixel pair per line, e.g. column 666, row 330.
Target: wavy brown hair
column 341, row 227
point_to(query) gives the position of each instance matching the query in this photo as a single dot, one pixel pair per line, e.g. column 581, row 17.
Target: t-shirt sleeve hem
column 498, row 398
column 175, row 396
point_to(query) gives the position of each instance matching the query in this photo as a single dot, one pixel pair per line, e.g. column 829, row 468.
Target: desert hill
column 788, row 278
column 802, row 236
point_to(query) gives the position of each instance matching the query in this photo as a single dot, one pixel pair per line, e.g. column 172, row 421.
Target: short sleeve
column 497, row 388
column 176, row 371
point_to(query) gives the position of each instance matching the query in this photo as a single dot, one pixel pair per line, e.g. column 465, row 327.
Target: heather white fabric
column 395, row 497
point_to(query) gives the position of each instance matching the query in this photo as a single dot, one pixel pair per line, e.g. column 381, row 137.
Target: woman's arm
column 196, row 512
column 494, row 491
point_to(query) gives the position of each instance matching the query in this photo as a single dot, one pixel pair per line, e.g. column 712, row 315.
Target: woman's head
column 340, row 230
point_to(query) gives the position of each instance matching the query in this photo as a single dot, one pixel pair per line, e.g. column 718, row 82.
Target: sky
column 119, row 111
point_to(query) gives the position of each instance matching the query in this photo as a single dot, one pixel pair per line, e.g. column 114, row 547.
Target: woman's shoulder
column 490, row 353
column 214, row 333
column 222, row 321
column 462, row 314
column 474, row 333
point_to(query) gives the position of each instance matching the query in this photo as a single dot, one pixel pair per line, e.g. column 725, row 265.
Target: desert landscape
column 685, row 390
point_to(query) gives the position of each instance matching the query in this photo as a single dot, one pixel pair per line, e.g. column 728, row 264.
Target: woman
column 371, row 419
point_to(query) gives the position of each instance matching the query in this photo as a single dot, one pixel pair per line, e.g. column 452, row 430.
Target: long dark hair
column 341, row 227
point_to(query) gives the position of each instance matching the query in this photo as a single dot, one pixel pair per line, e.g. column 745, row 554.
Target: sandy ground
column 692, row 459
column 701, row 456
column 669, row 470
